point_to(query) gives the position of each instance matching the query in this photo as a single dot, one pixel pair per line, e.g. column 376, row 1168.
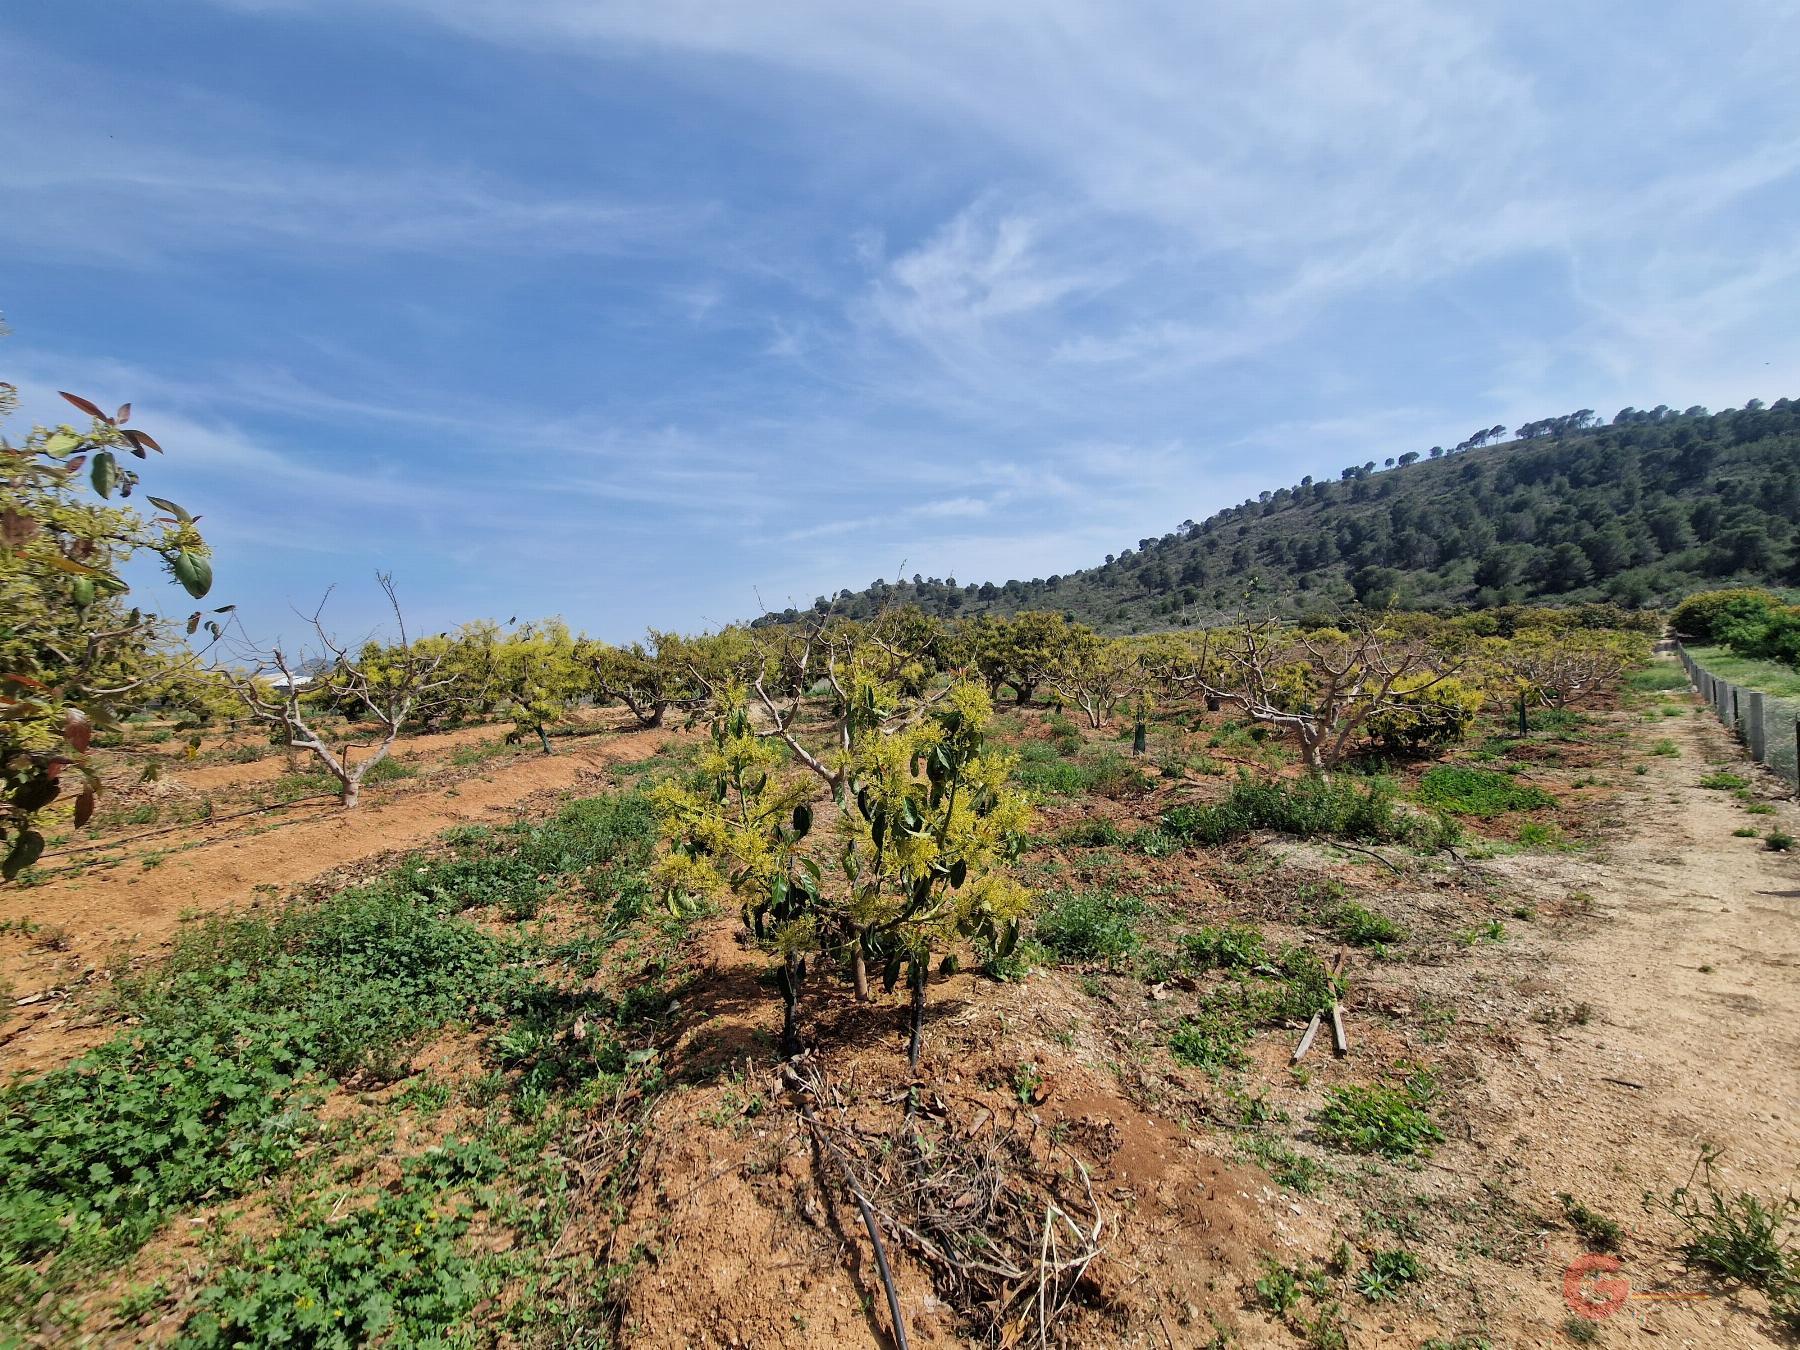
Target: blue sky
column 635, row 312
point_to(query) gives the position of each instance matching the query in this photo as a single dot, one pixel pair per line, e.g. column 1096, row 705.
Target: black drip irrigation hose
column 802, row 1091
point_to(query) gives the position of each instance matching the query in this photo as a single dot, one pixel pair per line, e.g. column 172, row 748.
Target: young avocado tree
column 863, row 694
column 734, row 829
column 72, row 649
column 1033, row 644
column 917, row 865
column 925, row 852
column 384, row 684
column 978, row 644
column 1324, row 685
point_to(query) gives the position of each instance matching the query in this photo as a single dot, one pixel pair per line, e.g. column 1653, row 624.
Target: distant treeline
column 1638, row 513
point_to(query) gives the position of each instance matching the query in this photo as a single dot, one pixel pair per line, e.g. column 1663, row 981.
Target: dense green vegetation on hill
column 1638, row 512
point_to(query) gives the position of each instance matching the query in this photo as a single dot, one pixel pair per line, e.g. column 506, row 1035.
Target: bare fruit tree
column 384, row 683
column 1560, row 670
column 1324, row 685
column 1097, row 675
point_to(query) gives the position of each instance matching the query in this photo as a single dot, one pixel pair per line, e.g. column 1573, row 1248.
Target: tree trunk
column 349, row 789
column 1023, row 692
column 543, row 738
column 920, row 968
column 1313, row 752
column 790, row 1013
column 655, row 719
column 859, row 969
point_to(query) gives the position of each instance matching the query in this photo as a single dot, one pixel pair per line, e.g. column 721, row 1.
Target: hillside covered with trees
column 1638, row 511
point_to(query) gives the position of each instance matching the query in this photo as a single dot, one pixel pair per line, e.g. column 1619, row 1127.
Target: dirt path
column 1688, row 977
column 94, row 917
column 205, row 777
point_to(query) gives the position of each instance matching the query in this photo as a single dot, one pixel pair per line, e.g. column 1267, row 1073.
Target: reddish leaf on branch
column 91, row 409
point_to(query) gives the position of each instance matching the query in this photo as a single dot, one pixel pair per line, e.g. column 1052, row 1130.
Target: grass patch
column 1097, row 832
column 1090, row 925
column 1539, row 834
column 1211, row 1040
column 1723, row 780
column 465, row 755
column 1483, row 793
column 391, row 770
column 1341, row 807
column 1115, row 776
column 1772, row 677
column 1657, row 677
column 1388, row 1274
column 1361, row 926
column 1564, row 722
column 1384, row 1119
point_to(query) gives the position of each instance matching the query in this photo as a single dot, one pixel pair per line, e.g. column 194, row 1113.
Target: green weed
column 1363, row 927
column 1483, row 793
column 1391, row 1121
column 1723, row 780
column 1742, row 1237
column 1287, row 1168
column 1388, row 1273
column 1231, row 947
column 1537, row 834
column 1310, row 807
column 1599, row 1231
column 1090, row 925
column 1282, row 1287
column 1095, row 833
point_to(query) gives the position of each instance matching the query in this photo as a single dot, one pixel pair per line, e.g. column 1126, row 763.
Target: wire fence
column 1768, row 726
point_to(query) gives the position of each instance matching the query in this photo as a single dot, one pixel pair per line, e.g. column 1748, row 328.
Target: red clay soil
column 749, row 1237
